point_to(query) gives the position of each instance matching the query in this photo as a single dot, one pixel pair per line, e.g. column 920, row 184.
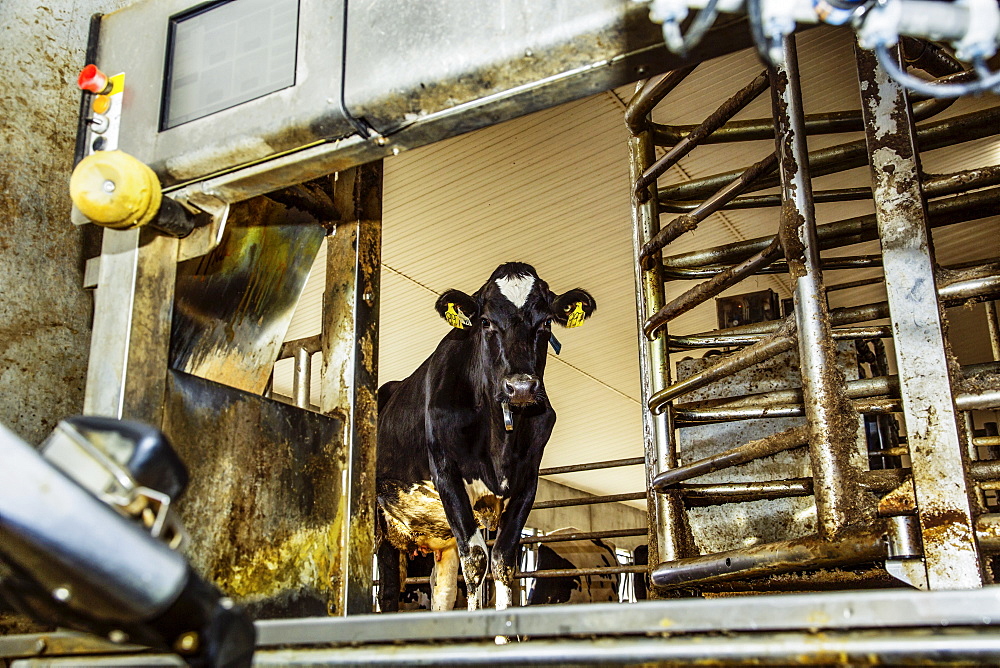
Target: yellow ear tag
column 575, row 319
column 456, row 318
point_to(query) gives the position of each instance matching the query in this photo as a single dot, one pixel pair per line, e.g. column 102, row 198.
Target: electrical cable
column 988, row 80
column 755, row 17
column 699, row 26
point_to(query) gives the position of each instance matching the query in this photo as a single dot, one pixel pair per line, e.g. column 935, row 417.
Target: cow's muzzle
column 521, row 389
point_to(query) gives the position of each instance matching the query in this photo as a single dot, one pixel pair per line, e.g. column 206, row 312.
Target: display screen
column 227, row 53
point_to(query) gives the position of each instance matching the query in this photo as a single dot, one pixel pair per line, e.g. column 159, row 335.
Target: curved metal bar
column 758, row 201
column 854, row 547
column 715, row 120
column 775, row 344
column 654, row 90
column 678, row 343
column 789, row 439
column 778, row 267
column 718, row 494
column 689, row 221
column 710, row 288
column 935, row 185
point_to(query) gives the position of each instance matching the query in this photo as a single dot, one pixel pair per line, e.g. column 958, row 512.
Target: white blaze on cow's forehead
column 516, row 288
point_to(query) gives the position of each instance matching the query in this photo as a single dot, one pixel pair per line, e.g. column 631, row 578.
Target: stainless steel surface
column 264, row 505
column 233, row 305
column 859, row 610
column 927, row 647
column 933, row 432
column 261, row 128
column 302, row 378
column 131, row 331
column 349, row 371
column 834, row 424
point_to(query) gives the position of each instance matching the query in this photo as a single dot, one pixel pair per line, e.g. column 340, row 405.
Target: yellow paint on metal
column 115, row 190
column 117, row 84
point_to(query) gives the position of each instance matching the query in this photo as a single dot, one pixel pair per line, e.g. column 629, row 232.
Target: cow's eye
column 485, row 322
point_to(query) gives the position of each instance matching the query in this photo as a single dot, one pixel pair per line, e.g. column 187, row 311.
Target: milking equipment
column 88, row 538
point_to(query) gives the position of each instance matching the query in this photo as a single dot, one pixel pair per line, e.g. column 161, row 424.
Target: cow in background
column 460, row 440
column 575, row 588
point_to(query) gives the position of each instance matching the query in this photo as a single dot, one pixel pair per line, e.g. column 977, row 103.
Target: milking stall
column 227, row 225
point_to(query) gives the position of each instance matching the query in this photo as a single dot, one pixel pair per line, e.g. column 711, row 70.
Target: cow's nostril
column 508, row 387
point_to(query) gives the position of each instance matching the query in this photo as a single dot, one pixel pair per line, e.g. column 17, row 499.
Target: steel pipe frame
column 934, row 432
column 942, row 212
column 854, row 389
column 778, row 267
column 853, row 547
column 667, row 534
column 937, row 185
column 937, row 134
column 692, row 139
column 773, row 344
column 689, row 221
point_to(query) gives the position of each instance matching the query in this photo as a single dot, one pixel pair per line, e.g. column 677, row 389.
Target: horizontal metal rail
column 592, row 466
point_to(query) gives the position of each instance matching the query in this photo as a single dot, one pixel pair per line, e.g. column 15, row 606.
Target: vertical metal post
column 350, row 368
column 130, row 344
column 993, row 326
column 666, row 513
column 932, row 425
column 302, row 377
column 832, row 421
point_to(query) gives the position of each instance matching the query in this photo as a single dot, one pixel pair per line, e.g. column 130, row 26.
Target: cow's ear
column 571, row 308
column 458, row 308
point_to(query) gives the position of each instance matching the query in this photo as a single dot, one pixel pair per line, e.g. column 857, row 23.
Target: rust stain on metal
column 900, row 501
column 790, row 234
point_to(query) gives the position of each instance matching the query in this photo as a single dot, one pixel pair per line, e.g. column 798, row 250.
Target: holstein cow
column 460, row 440
column 575, row 588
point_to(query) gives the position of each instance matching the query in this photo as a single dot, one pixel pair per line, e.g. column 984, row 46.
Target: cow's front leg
column 507, row 547
column 472, row 551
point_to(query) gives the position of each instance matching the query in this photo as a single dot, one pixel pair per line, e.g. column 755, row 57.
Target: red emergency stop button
column 94, row 80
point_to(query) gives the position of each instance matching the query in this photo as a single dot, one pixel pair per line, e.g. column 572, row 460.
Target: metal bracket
column 206, row 238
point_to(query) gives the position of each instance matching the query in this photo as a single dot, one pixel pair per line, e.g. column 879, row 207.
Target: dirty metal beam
column 667, row 539
column 349, row 368
column 833, row 422
column 933, row 429
column 993, row 326
column 812, row 552
column 130, row 343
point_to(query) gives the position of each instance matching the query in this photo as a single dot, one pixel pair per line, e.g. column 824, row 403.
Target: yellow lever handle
column 115, row 190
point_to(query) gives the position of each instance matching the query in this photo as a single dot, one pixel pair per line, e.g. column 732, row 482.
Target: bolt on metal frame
column 926, row 521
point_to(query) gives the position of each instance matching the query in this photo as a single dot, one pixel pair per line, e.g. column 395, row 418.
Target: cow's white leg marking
column 444, row 580
column 476, row 490
column 516, row 288
column 503, row 602
column 476, row 596
column 503, row 595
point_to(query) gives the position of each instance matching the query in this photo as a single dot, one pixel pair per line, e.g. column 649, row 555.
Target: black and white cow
column 575, row 588
column 460, row 439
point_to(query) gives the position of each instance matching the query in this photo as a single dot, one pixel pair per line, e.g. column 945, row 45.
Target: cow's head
column 510, row 320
